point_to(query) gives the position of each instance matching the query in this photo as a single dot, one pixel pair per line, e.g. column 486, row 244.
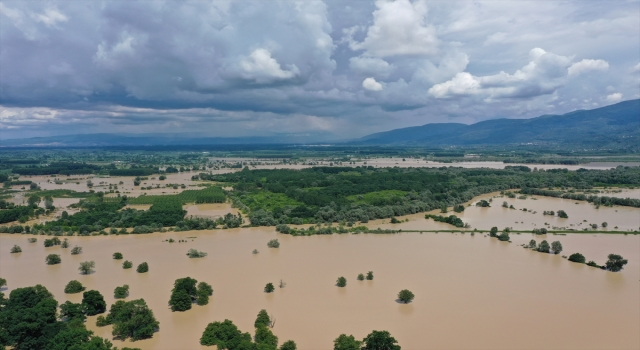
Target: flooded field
column 471, row 291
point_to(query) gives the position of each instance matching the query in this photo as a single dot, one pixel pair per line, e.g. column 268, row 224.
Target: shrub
column 577, row 257
column 93, row 302
column 255, row 251
column 273, row 243
column 184, row 292
column 86, row 267
column 289, row 345
column 532, row 244
column 346, row 342
column 117, row 256
column 615, row 263
column 65, row 243
column 53, row 259
column 121, row 292
column 556, row 247
column 76, row 250
column 52, row 241
column 562, row 214
column 493, row 232
column 341, row 282
column 32, row 240
column 543, row 247
column 370, row 276
column 264, row 336
column 225, row 335
column 192, row 253
column 131, row 319
column 142, row 268
column 71, row 311
column 262, row 320
column 360, row 277
column 483, row 203
column 269, row 288
column 458, row 208
column 16, row 249
column 180, row 300
column 204, row 290
column 592, row 263
column 127, row 264
column 380, row 340
column 3, row 282
column 405, row 296
column 74, row 287
column 503, row 237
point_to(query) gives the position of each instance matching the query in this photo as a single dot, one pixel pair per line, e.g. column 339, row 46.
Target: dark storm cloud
column 347, row 67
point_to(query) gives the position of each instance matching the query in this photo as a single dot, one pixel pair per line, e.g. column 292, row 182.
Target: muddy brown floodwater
column 472, row 292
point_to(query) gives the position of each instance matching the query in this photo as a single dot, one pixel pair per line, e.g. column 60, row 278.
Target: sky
column 338, row 68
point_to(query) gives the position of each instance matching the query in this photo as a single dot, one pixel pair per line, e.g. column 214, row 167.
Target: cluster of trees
column 29, row 319
column 319, row 230
column 62, row 168
column 374, row 341
column 451, row 219
column 614, row 263
column 226, row 335
column 329, row 194
column 185, row 292
column 130, row 319
column 544, row 247
column 596, row 200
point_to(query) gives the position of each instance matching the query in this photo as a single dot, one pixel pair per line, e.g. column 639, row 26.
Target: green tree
column 74, row 287
column 264, row 336
column 605, row 224
column 127, row 264
column 341, row 282
column 380, row 340
column 93, row 302
column 370, row 276
column 131, row 319
column 504, row 236
column 74, row 335
column 289, row 345
column 117, row 256
column 543, row 247
column 615, row 263
column 360, row 277
column 65, row 243
column 562, row 214
column 556, row 247
column 70, row 311
column 203, row 292
column 263, row 319
column 3, row 282
column 532, row 244
column 86, row 267
column 121, row 292
column 34, row 200
column 225, row 335
column 269, row 288
column 53, row 259
column 180, row 300
column 493, row 232
column 76, row 250
column 273, row 243
column 28, row 318
column 346, row 342
column 405, row 296
column 142, row 268
column 16, row 249
column 577, row 257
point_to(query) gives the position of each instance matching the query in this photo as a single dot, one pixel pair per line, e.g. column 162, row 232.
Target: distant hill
column 615, row 126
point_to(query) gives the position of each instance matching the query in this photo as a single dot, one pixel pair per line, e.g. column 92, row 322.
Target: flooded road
column 471, row 292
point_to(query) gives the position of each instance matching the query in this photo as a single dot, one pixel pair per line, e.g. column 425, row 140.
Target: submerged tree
column 556, row 247
column 127, row 264
column 53, row 259
column 562, row 214
column 142, row 268
column 76, row 250
column 203, row 292
column 543, row 247
column 360, row 277
column 615, row 263
column 269, row 288
column 378, row 340
column 273, row 243
column 117, row 256
column 577, row 257
column 121, row 292
column 346, row 342
column 262, row 319
column 532, row 244
column 225, row 335
column 86, row 267
column 93, row 302
column 341, row 282
column 131, row 319
column 74, row 287
column 192, row 253
column 370, row 276
column 16, row 249
column 182, row 295
column 405, row 296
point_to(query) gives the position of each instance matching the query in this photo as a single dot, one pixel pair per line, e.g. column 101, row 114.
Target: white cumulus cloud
column 371, row 84
column 615, row 97
column 263, row 68
column 371, row 66
column 588, row 65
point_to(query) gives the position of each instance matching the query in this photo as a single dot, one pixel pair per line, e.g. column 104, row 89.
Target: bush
column 273, row 243
column 93, row 303
column 131, row 319
column 577, row 257
column 556, row 247
column 86, row 267
column 65, row 243
column 360, row 277
column 493, row 232
column 16, row 249
column 52, row 241
column 121, row 292
column 341, row 282
column 562, row 214
column 203, row 292
column 370, row 276
column 269, row 288
column 504, row 236
column 543, row 247
column 74, row 287
column 592, row 263
column 142, row 268
column 532, row 244
column 264, row 336
column 377, row 340
column 117, row 256
column 3, row 282
column 32, row 240
column 71, row 311
column 615, row 263
column 192, row 253
column 346, row 342
column 262, row 320
column 483, row 203
column 225, row 335
column 180, row 300
column 53, row 259
column 289, row 345
column 127, row 264
column 76, row 250
column 184, row 292
column 405, row 296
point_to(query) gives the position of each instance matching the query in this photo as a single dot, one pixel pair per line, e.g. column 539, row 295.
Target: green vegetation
column 225, row 335
column 273, row 243
column 142, row 268
column 130, row 319
column 405, row 296
column 504, row 236
column 615, row 263
column 203, row 292
column 117, row 256
column 16, row 249
column 76, row 250
column 192, row 253
column 380, row 340
column 341, row 282
column 53, row 259
column 346, row 342
column 65, row 243
column 210, row 194
column 577, row 257
column 74, row 287
column 86, row 267
column 185, row 292
column 121, row 292
column 93, row 303
column 52, row 242
column 562, row 214
column 556, row 247
column 360, row 277
column 269, row 288
column 127, row 264
column 262, row 320
column 543, row 247
column 370, row 276
column 451, row 219
column 3, row 282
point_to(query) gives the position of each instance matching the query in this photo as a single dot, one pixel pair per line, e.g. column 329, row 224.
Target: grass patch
column 212, row 194
column 63, row 194
column 378, row 197
column 264, row 199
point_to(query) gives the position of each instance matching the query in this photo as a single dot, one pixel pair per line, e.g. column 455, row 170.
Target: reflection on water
column 465, row 286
